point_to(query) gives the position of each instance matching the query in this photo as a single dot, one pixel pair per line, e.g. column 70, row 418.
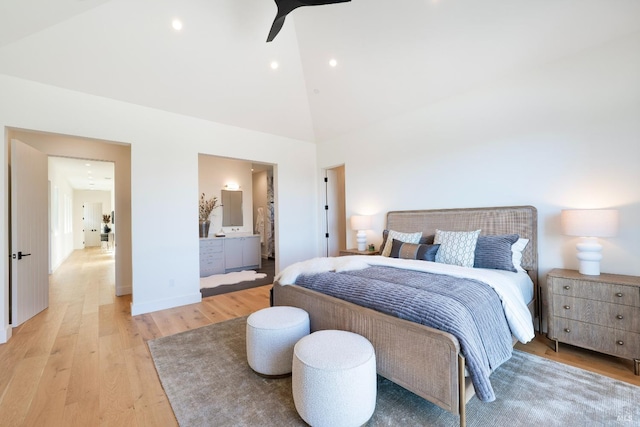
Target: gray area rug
column 209, row 383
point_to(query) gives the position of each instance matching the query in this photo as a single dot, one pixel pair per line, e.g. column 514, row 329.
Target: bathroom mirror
column 231, row 208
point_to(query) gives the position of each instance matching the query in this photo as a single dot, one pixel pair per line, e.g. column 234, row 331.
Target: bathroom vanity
column 219, row 255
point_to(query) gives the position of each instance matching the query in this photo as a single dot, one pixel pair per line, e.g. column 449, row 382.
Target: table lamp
column 360, row 223
column 589, row 224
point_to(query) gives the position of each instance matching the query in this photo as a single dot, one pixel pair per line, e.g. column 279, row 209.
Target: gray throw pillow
column 495, row 252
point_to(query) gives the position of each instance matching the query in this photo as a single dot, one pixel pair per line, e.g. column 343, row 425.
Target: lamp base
column 589, row 254
column 361, row 238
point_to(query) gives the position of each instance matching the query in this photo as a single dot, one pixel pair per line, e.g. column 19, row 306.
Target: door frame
column 54, row 144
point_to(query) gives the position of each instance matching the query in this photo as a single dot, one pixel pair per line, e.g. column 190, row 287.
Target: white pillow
column 516, row 253
column 403, row 237
column 456, row 247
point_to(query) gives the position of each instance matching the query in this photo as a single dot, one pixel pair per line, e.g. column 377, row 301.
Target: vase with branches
column 206, row 208
column 106, row 218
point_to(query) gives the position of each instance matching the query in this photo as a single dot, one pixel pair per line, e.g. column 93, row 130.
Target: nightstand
column 354, row 251
column 601, row 313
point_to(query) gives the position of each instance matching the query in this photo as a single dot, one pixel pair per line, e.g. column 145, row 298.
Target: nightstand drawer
column 608, row 292
column 615, row 316
column 607, row 340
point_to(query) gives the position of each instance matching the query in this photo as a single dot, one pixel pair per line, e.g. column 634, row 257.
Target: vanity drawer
column 607, row 292
column 616, row 316
column 209, row 246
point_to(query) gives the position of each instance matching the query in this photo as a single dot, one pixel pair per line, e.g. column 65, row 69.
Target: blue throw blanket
column 468, row 309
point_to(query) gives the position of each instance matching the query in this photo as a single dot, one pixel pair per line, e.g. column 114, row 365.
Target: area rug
column 209, row 383
column 237, row 281
column 230, row 278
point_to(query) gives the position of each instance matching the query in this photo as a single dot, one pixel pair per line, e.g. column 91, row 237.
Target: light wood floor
column 84, row 361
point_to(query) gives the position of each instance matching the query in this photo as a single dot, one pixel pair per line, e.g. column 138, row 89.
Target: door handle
column 20, row 256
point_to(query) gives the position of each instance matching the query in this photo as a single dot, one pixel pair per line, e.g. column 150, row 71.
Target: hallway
column 84, row 360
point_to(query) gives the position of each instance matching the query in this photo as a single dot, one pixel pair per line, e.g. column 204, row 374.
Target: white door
column 335, row 211
column 29, row 232
column 92, row 219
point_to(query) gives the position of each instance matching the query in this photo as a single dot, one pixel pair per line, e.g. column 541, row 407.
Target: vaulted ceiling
column 393, row 56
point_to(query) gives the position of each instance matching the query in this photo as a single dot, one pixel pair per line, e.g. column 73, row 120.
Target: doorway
column 254, row 224
column 335, row 211
column 114, row 154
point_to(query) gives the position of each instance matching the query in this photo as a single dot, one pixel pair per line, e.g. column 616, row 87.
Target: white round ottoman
column 271, row 334
column 334, row 379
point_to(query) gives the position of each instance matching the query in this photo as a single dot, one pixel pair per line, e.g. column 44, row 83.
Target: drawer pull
column 619, row 294
column 620, row 342
column 619, row 317
column 567, row 330
column 566, row 307
column 567, row 287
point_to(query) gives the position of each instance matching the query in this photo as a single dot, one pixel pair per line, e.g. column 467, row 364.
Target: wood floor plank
column 152, row 407
column 180, row 319
column 17, row 398
column 47, row 406
column 84, row 381
column 147, row 327
column 116, row 404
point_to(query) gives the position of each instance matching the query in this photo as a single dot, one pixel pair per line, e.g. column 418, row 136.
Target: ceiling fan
column 286, row 6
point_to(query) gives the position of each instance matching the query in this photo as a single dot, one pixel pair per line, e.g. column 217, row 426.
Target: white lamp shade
column 589, row 222
column 361, row 222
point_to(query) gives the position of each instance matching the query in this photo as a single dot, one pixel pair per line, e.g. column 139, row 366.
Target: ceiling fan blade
column 275, row 28
column 286, row 6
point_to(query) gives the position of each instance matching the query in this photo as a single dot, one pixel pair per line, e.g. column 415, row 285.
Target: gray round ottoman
column 271, row 334
column 334, row 379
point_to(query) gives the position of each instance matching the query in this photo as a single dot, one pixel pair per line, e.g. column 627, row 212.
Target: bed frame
column 421, row 359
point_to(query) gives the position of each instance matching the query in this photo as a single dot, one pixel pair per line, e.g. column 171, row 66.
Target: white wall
column 566, row 135
column 164, row 183
column 61, row 236
column 216, row 172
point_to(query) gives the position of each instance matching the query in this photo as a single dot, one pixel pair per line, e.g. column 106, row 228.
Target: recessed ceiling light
column 274, row 65
column 87, row 164
column 176, row 24
column 333, row 62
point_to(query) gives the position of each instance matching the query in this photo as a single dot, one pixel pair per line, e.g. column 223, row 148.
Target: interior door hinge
column 326, row 179
column 326, row 235
column 326, row 207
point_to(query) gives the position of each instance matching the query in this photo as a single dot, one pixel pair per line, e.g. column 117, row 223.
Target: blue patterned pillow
column 456, row 247
column 413, row 251
column 495, row 252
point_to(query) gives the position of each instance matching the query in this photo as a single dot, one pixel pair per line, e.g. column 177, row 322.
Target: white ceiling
column 393, row 56
column 85, row 174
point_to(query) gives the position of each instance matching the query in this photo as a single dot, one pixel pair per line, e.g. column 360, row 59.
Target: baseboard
column 5, row 334
column 163, row 304
column 125, row 290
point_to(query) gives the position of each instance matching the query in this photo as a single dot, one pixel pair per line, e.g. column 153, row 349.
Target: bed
column 403, row 346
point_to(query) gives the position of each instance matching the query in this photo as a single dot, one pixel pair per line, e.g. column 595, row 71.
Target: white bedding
column 514, row 289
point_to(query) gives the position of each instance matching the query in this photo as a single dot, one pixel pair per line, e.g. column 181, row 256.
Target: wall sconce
column 589, row 224
column 361, row 223
column 232, row 187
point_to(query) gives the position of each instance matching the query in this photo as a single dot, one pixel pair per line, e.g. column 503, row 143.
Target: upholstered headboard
column 521, row 220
